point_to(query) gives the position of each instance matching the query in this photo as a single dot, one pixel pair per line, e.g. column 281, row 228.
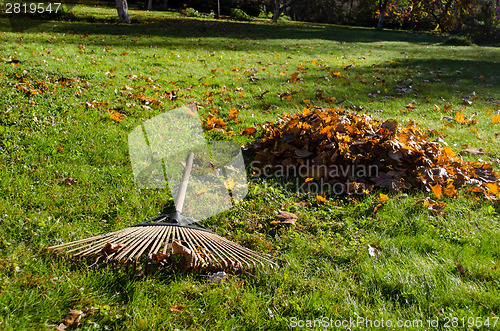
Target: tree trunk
column 122, row 8
column 165, row 4
column 150, row 4
column 382, row 8
column 279, row 8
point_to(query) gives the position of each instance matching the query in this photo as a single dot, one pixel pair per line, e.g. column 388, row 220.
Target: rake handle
column 179, row 202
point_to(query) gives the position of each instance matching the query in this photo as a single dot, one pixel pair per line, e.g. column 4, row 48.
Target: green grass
column 66, row 132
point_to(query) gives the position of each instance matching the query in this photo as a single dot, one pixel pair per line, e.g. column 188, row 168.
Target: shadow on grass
column 189, row 27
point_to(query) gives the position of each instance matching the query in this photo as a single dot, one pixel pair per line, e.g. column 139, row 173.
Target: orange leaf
column 190, row 112
column 320, row 199
column 383, row 197
column 201, row 192
column 448, row 152
column 493, row 187
column 460, row 117
column 447, row 107
column 293, row 78
column 495, row 119
column 116, row 116
column 437, row 190
column 308, row 179
column 248, row 131
column 233, row 113
column 450, row 190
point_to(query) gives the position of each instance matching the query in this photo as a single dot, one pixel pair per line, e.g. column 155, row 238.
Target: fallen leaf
column 293, row 78
column 320, row 199
column 233, row 114
column 116, row 116
column 383, row 197
column 433, row 206
column 111, row 248
column 437, row 190
column 189, row 256
column 460, row 268
column 74, row 317
column 248, row 131
column 474, row 151
column 70, row 181
column 177, row 308
column 285, row 217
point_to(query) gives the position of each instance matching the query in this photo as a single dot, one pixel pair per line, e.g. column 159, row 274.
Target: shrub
column 459, row 41
column 191, row 12
column 239, row 15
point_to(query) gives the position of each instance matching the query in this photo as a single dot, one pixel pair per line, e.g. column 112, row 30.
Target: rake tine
column 223, row 250
column 137, row 243
column 73, row 243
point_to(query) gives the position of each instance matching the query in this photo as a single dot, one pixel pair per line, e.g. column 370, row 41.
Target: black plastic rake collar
column 176, row 219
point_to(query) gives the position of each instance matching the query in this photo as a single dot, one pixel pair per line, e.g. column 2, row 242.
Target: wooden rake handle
column 179, row 203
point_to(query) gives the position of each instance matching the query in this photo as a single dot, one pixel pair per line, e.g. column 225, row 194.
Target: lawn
column 72, row 91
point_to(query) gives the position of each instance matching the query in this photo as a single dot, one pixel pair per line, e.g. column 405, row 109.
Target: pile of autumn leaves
column 332, row 146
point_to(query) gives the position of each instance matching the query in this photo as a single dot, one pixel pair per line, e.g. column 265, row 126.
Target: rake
column 171, row 240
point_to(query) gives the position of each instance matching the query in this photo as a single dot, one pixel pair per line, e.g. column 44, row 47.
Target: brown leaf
column 293, row 78
column 177, row 308
column 303, row 153
column 70, row 181
column 433, row 206
column 159, row 257
column 188, row 255
column 474, row 151
column 285, row 217
column 111, row 248
column 460, row 268
column 74, row 317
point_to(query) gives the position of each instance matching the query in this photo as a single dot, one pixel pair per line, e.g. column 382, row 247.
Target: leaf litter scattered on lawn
column 331, row 146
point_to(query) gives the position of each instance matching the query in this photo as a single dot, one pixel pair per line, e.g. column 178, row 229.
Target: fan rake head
column 185, row 248
column 170, row 240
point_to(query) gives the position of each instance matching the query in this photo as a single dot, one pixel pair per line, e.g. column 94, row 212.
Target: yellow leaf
column 383, row 197
column 495, row 119
column 460, row 117
column 437, row 190
column 309, row 179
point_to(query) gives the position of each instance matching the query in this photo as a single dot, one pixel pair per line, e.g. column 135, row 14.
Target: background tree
column 122, row 8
